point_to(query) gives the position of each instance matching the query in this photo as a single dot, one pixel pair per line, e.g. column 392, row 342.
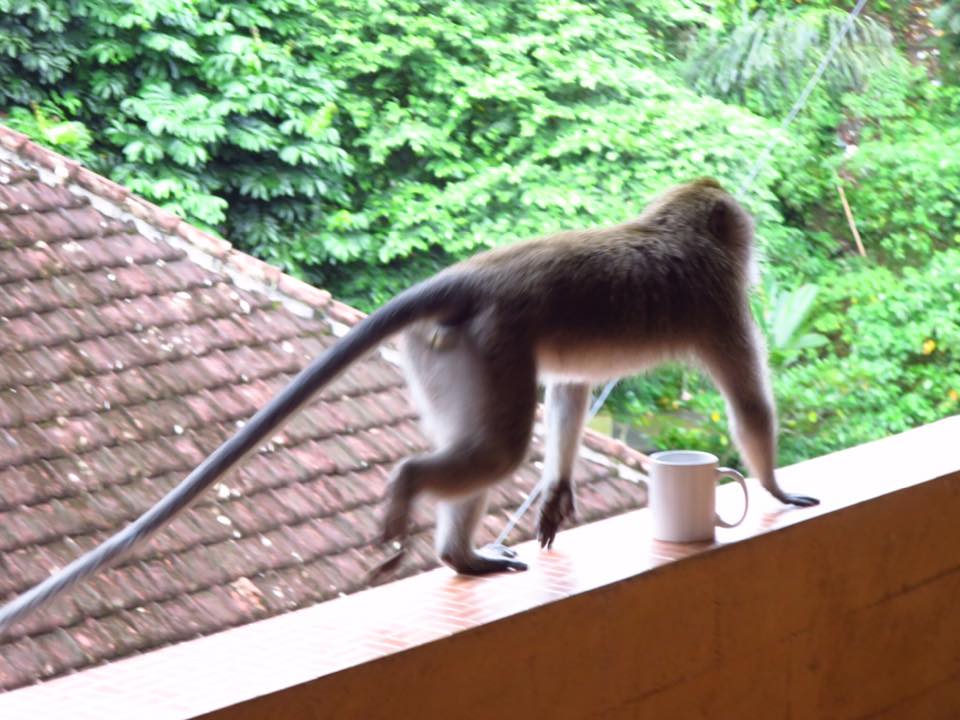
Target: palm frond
column 773, row 55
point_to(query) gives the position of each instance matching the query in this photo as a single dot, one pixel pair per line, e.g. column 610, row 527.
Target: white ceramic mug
column 683, row 495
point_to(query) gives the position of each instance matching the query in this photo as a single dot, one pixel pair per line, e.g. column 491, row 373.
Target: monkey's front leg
column 754, row 430
column 740, row 373
column 565, row 413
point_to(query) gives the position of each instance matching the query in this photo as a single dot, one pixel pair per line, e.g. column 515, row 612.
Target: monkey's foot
column 385, row 567
column 396, row 517
column 557, row 507
column 498, row 549
column 488, row 559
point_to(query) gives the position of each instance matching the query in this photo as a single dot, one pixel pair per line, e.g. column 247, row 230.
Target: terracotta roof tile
column 125, row 358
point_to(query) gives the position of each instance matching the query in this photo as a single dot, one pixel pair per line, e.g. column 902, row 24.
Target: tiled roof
column 128, row 351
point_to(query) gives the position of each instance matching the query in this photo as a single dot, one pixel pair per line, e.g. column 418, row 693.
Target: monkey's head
column 707, row 182
column 702, row 210
column 704, row 206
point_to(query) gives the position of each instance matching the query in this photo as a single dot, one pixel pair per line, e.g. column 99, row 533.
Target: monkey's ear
column 720, row 220
column 708, row 182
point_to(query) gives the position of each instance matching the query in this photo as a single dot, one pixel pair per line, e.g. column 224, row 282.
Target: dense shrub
column 475, row 124
column 217, row 111
column 893, row 363
column 905, row 188
column 765, row 60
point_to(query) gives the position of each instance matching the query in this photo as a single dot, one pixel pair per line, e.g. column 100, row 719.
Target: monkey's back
column 640, row 290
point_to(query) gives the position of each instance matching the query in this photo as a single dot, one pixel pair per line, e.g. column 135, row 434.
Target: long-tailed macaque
column 572, row 309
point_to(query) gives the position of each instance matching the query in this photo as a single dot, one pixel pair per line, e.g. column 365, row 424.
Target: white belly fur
column 595, row 364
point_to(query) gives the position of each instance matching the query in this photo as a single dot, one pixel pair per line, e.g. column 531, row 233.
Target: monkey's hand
column 798, row 500
column 557, row 507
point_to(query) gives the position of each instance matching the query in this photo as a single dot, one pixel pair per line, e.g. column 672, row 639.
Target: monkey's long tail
column 443, row 295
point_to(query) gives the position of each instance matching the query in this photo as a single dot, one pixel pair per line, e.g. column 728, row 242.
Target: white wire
column 538, row 488
column 521, row 511
column 801, row 100
column 744, row 186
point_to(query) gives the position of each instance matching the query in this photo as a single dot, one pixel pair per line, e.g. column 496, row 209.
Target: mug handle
column 733, row 475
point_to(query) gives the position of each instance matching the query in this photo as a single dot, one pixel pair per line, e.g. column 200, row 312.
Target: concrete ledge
column 847, row 610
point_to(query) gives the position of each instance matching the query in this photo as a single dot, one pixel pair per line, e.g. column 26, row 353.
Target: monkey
column 568, row 310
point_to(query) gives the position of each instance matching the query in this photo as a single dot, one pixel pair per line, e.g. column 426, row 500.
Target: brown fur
column 574, row 309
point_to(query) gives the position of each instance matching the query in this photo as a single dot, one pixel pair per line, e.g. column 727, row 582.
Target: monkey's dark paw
column 789, row 499
column 497, row 558
column 498, row 549
column 396, row 517
column 385, row 567
column 490, row 559
column 556, row 508
column 799, row 500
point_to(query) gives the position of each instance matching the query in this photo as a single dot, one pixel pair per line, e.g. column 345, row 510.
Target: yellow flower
column 715, row 416
column 929, row 345
column 953, row 395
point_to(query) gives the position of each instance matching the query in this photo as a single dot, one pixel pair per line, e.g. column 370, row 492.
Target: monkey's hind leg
column 736, row 364
column 458, row 476
column 456, row 520
column 478, row 408
column 565, row 412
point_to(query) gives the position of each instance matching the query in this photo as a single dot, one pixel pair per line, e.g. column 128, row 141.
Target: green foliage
column 218, row 112
column 764, row 62
column 905, row 191
column 947, row 20
column 784, row 318
column 44, row 123
column 39, row 44
column 947, row 17
column 673, row 406
column 737, row 12
column 358, row 286
column 894, row 365
column 481, row 123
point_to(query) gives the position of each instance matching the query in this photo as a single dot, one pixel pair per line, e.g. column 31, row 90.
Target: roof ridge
column 209, row 251
column 616, row 449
